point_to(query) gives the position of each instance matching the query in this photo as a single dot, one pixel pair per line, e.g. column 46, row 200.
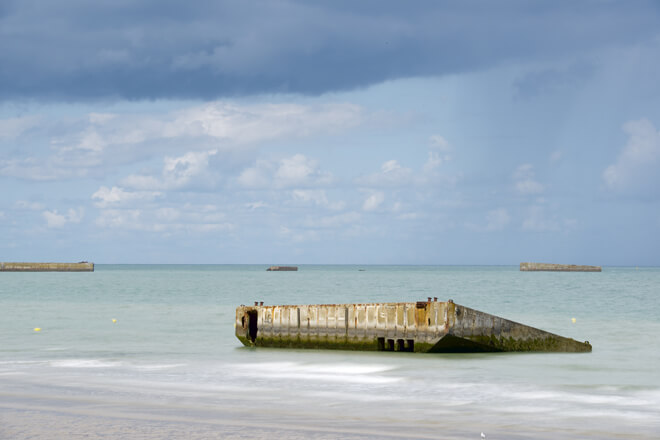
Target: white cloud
column 186, row 219
column 317, row 197
column 525, row 182
column 178, row 172
column 529, row 186
column 23, row 205
column 296, row 236
column 391, row 174
column 556, row 156
column 637, row 164
column 13, row 128
column 334, row 221
column 38, row 170
column 295, row 171
column 409, row 216
column 56, row 220
column 524, row 171
column 115, row 196
column 99, row 142
column 258, row 176
column 101, row 118
column 433, row 161
column 256, row 123
column 120, row 219
column 256, row 205
column 391, row 166
column 440, row 143
column 373, row 201
column 90, row 140
column 497, row 219
column 538, row 219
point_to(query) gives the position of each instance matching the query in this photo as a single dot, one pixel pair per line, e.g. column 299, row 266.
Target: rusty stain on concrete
column 423, row 326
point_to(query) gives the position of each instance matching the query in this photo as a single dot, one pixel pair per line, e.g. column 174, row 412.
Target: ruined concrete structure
column 535, row 267
column 47, row 267
column 423, row 326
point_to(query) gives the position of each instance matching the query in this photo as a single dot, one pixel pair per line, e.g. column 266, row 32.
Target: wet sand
column 74, row 417
column 92, row 420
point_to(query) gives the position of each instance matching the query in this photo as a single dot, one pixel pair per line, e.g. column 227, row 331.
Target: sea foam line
column 84, row 363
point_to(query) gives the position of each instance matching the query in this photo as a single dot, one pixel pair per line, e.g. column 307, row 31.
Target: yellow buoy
column 114, row 321
column 37, row 329
column 573, row 320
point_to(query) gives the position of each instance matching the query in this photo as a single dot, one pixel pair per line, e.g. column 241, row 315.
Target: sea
column 149, row 352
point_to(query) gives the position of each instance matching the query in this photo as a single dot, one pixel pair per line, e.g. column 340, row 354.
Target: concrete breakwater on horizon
column 47, row 267
column 423, row 326
column 549, row 267
column 282, row 269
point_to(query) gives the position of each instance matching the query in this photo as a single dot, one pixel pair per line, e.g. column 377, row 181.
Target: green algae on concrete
column 423, row 326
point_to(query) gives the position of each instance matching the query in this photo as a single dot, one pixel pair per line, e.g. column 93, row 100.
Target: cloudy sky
column 455, row 132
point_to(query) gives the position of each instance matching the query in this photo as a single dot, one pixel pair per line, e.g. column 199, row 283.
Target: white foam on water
column 341, row 372
column 12, row 373
column 157, row 367
column 612, row 414
column 339, row 368
column 84, row 363
column 335, row 396
column 21, row 362
column 526, row 409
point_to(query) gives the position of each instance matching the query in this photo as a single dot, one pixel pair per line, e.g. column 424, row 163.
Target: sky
column 330, row 132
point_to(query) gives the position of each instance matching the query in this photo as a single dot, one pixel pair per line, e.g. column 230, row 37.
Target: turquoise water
column 171, row 354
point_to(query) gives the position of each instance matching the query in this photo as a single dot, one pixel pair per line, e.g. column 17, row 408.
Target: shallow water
column 171, row 365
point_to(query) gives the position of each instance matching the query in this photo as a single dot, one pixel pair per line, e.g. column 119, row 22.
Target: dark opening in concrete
column 411, row 345
column 252, row 322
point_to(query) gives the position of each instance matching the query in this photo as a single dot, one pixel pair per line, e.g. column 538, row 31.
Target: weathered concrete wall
column 533, row 267
column 425, row 326
column 47, row 267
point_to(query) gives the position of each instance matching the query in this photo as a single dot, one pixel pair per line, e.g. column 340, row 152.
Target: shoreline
column 83, row 413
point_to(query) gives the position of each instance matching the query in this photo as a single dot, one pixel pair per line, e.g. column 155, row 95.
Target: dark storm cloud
column 77, row 49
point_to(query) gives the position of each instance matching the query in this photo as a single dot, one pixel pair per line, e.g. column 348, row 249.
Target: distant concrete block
column 282, row 269
column 83, row 266
column 548, row 267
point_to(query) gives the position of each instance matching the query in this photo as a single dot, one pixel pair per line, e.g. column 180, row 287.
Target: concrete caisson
column 423, row 326
column 83, row 266
column 549, row 267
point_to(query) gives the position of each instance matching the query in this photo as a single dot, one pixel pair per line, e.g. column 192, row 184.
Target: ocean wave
column 157, row 367
column 350, row 373
column 84, row 363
